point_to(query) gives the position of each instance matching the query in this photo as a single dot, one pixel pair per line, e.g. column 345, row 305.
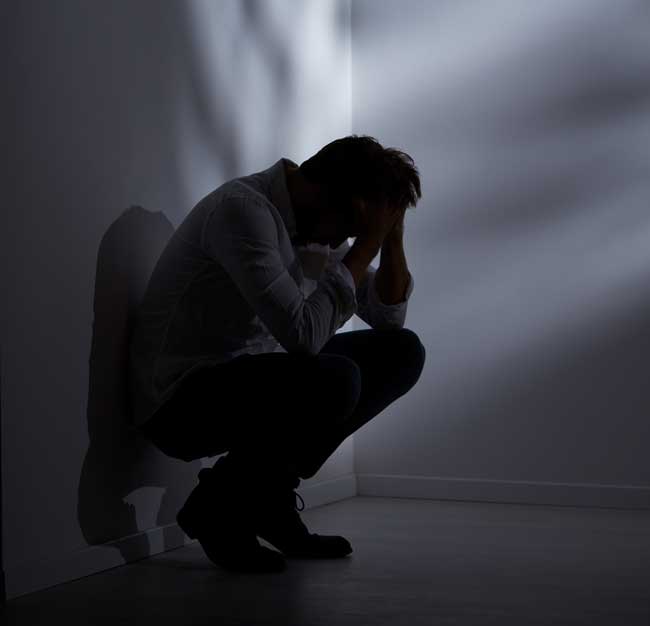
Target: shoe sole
column 314, row 547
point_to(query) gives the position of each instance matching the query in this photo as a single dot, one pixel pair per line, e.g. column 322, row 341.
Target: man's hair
column 360, row 166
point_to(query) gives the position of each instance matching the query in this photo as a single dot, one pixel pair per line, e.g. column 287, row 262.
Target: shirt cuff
column 387, row 314
column 378, row 304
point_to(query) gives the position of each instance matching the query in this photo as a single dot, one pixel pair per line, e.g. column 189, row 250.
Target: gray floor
column 414, row 562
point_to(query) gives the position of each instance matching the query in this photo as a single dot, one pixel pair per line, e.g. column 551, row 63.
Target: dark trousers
column 290, row 410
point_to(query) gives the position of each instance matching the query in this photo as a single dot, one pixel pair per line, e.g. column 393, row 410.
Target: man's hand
column 392, row 277
column 374, row 225
column 396, row 234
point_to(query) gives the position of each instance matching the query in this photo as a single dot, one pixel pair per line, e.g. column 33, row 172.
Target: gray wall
column 122, row 116
column 530, row 122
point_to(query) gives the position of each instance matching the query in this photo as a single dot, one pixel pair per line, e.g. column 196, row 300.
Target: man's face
column 337, row 220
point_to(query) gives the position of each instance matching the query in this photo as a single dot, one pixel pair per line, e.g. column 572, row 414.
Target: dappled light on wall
column 530, row 122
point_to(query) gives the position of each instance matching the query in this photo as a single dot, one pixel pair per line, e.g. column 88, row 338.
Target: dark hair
column 360, row 166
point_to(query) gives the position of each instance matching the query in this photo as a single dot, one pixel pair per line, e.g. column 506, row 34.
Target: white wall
column 530, row 122
column 122, row 116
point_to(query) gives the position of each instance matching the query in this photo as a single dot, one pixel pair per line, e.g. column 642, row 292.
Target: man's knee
column 418, row 346
column 410, row 351
column 410, row 345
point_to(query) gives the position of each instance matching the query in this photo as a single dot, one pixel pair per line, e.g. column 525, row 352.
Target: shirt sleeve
column 370, row 308
column 241, row 235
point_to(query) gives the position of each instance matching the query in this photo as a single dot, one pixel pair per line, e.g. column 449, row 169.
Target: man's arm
column 241, row 236
column 392, row 277
column 371, row 308
column 357, row 260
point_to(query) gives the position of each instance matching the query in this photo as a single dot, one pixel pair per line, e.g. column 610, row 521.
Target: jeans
column 291, row 409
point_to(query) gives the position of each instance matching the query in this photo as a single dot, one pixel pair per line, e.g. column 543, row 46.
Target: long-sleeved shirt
column 233, row 280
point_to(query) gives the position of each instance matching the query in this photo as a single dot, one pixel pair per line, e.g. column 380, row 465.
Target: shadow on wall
column 119, row 461
column 150, row 103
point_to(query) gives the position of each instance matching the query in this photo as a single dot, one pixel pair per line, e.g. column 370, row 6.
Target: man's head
column 327, row 188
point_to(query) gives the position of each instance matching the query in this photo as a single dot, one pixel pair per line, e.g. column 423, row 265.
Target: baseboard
column 36, row 576
column 328, row 491
column 504, row 491
column 31, row 577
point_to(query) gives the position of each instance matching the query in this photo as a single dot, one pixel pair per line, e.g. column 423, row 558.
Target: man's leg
column 262, row 407
column 270, row 411
column 296, row 407
column 287, row 405
column 390, row 362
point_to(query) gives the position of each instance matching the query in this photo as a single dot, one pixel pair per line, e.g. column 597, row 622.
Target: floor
column 415, row 562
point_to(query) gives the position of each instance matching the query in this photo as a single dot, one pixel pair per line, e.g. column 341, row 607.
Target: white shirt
column 230, row 282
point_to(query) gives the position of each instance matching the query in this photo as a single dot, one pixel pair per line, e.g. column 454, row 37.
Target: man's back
column 197, row 310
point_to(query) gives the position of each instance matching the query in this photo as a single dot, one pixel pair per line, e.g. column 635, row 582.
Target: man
column 235, row 346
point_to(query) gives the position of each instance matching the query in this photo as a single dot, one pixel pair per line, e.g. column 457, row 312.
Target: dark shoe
column 279, row 523
column 217, row 517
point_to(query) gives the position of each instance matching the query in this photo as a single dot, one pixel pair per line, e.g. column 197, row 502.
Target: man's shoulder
column 242, row 210
column 241, row 205
column 238, row 192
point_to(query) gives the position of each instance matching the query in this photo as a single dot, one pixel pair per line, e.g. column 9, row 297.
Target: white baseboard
column 31, row 577
column 38, row 575
column 35, row 576
column 504, row 491
column 328, row 491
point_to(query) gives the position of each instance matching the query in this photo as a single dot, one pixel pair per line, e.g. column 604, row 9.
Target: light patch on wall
column 530, row 123
column 146, row 501
column 274, row 83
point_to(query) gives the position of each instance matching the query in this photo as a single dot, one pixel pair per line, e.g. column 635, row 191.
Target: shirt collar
column 279, row 194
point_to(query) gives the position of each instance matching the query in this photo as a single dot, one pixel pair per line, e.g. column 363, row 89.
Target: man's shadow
column 119, row 460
